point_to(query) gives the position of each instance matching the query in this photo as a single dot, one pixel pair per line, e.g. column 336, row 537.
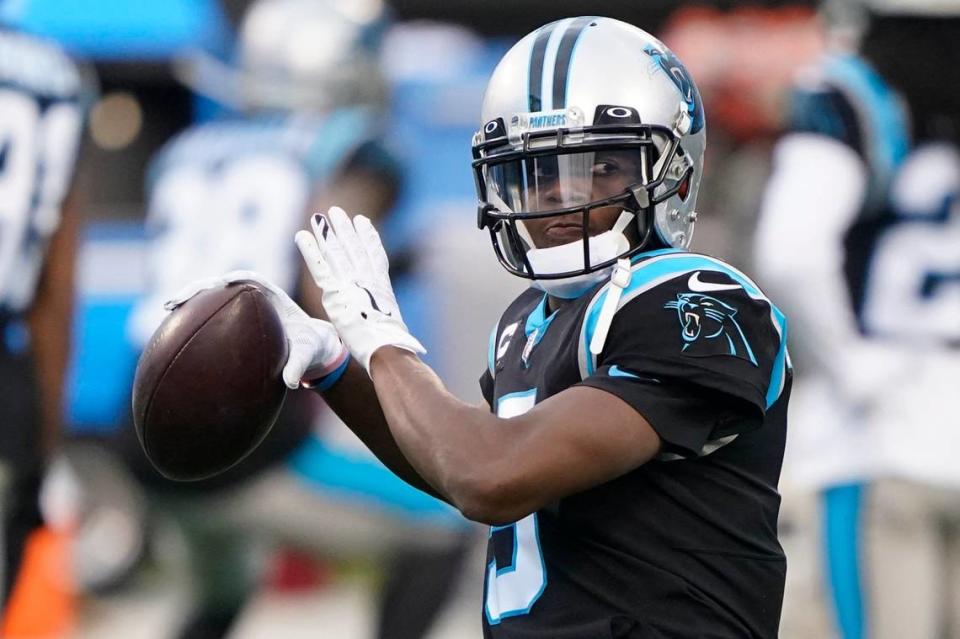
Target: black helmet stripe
column 561, row 69
column 536, row 66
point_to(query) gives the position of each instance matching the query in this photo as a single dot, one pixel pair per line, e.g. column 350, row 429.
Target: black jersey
column 685, row 545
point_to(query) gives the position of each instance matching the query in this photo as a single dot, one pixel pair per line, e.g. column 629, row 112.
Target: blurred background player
column 860, row 238
column 42, row 105
column 304, row 127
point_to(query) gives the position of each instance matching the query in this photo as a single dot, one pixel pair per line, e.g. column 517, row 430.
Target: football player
column 229, row 194
column 628, row 453
column 43, row 97
column 860, row 236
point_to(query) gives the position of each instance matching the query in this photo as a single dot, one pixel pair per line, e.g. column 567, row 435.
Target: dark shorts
column 20, row 422
column 20, row 457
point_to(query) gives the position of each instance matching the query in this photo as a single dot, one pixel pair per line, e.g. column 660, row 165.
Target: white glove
column 314, row 348
column 347, row 261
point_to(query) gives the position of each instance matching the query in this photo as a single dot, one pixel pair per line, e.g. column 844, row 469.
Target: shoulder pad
column 655, row 269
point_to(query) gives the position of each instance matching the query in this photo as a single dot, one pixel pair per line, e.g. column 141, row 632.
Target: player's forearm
column 49, row 319
column 355, row 401
column 452, row 444
column 51, row 342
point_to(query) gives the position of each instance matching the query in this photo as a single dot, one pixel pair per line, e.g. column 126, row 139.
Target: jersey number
column 240, row 215
column 37, row 150
column 514, row 588
column 914, row 284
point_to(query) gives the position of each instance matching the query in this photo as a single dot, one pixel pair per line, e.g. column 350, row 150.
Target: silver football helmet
column 591, row 150
column 311, row 54
column 298, row 55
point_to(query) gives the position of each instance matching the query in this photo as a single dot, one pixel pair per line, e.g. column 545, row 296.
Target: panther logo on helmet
column 667, row 61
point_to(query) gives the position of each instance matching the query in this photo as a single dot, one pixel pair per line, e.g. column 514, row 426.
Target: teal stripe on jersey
column 780, row 361
column 525, row 393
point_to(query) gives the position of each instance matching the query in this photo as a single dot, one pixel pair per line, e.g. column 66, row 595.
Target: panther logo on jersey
column 708, row 327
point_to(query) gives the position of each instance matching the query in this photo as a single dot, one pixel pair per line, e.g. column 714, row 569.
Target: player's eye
column 605, row 168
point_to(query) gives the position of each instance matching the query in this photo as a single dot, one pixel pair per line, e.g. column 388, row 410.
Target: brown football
column 208, row 386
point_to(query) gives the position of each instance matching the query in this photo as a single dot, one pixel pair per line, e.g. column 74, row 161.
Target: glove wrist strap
column 326, row 382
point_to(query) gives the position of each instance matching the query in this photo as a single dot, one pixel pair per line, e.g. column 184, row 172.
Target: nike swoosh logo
column 322, row 224
column 616, row 371
column 697, row 285
column 373, row 302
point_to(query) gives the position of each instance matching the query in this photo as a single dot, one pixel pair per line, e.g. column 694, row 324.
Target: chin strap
column 623, row 220
column 619, row 280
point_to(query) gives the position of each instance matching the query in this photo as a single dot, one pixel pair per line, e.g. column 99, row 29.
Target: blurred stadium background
column 437, row 56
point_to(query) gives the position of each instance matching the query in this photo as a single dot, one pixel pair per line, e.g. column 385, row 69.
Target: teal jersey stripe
column 593, row 311
column 525, row 393
column 657, row 253
column 538, row 321
column 537, row 317
column 780, row 362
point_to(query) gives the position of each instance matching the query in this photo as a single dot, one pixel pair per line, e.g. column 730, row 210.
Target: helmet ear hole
column 684, row 189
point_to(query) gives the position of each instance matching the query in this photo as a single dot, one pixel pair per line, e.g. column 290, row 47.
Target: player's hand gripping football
column 315, row 349
column 348, row 263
